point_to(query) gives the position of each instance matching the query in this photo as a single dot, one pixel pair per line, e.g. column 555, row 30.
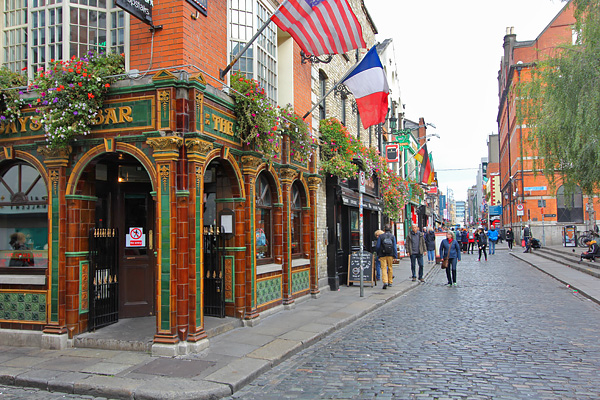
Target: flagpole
column 332, row 89
column 223, row 72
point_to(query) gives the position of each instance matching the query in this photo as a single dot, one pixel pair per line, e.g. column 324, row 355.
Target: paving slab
column 181, row 389
column 276, row 350
column 239, row 372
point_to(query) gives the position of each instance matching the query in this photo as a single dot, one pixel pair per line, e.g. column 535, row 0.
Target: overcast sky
column 448, row 55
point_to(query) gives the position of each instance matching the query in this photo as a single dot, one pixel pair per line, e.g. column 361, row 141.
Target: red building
column 157, row 212
column 527, row 198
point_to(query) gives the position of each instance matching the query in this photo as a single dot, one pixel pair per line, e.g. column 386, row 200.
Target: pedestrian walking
column 387, row 251
column 464, row 239
column 430, row 243
column 510, row 238
column 471, row 239
column 482, row 242
column 378, row 232
column 416, row 247
column 493, row 239
column 451, row 249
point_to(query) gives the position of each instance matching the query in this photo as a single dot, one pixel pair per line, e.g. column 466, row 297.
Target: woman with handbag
column 450, row 253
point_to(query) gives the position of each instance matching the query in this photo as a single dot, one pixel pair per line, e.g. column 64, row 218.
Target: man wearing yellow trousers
column 386, row 249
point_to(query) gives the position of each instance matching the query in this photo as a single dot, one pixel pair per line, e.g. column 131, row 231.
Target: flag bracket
column 309, row 58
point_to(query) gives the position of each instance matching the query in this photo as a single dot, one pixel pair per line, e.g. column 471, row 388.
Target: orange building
column 527, row 198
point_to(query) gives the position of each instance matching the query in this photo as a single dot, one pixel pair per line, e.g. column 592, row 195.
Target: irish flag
column 368, row 84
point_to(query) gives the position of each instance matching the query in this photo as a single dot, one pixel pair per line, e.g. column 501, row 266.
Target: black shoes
column 384, row 286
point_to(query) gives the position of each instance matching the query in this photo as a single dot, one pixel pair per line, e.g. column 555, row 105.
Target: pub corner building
column 154, row 213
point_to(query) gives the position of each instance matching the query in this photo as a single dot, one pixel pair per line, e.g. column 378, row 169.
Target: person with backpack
column 471, row 239
column 430, row 242
column 386, row 249
column 415, row 248
column 493, row 239
column 482, row 242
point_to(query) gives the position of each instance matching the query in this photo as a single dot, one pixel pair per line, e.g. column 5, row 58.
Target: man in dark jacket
column 387, row 251
column 416, row 247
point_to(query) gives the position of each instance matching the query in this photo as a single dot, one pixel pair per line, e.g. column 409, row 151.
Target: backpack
column 387, row 245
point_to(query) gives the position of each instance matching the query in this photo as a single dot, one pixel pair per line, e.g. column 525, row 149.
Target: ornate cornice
column 198, row 147
column 55, row 157
column 165, row 148
column 314, row 182
column 287, row 174
column 251, row 164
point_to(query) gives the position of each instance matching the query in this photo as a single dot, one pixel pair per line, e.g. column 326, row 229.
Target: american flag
column 320, row 26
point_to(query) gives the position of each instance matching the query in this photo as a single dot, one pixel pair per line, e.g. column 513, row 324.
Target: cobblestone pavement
column 507, row 331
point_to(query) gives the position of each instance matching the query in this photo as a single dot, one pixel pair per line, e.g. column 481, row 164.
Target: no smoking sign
column 135, row 238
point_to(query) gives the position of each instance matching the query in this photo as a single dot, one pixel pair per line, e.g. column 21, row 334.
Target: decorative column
column 197, row 151
column 55, row 334
column 166, row 153
column 287, row 177
column 250, row 166
column 313, row 185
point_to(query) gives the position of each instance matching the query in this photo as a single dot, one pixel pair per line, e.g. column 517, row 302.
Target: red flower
column 107, row 85
column 90, row 96
column 80, row 84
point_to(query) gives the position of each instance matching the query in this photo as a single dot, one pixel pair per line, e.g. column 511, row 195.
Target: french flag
column 368, row 84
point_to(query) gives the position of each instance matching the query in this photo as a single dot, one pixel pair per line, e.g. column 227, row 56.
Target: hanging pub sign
column 392, row 153
column 141, row 9
column 199, row 5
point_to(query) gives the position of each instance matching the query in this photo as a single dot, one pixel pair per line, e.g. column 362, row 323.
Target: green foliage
column 10, row 99
column 562, row 107
column 71, row 93
column 301, row 142
column 258, row 121
column 338, row 149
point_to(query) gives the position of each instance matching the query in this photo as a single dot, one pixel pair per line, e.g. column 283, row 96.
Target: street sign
column 520, row 207
column 141, row 9
column 361, row 182
column 392, row 153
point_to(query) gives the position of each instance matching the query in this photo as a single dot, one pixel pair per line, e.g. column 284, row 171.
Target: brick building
column 155, row 213
column 527, row 198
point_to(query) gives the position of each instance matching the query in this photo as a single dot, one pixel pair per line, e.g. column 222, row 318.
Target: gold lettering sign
column 109, row 115
column 23, row 124
column 220, row 124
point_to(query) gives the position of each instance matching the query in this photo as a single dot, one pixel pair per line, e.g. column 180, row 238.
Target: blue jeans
column 492, row 247
column 414, row 258
column 377, row 268
column 430, row 255
column 451, row 270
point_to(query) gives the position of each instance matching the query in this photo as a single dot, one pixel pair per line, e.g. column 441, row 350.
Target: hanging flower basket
column 258, row 122
column 71, row 93
column 301, row 142
column 338, row 149
column 10, row 98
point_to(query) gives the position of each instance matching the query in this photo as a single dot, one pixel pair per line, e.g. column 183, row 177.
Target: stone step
column 572, row 261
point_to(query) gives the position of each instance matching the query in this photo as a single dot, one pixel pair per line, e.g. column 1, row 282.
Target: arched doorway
column 220, row 189
column 121, row 240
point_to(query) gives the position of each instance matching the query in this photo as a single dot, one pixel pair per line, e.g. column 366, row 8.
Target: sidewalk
column 232, row 360
column 563, row 264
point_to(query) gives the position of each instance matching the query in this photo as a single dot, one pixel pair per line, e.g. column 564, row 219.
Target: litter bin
column 570, row 236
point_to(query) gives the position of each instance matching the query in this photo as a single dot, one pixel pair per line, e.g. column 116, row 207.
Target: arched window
column 264, row 219
column 23, row 216
column 296, row 220
column 569, row 208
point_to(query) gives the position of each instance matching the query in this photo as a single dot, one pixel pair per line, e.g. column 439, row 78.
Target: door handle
column 150, row 239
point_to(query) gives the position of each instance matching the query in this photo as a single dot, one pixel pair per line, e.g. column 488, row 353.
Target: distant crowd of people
column 457, row 242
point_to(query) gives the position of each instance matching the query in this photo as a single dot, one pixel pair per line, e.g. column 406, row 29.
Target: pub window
column 23, row 217
column 296, row 217
column 264, row 220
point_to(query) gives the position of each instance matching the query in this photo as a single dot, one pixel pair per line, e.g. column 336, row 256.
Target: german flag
column 426, row 174
column 421, row 154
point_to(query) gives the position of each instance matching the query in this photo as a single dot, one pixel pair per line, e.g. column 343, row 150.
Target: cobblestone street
column 507, row 331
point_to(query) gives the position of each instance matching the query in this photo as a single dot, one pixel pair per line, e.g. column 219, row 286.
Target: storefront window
column 296, row 217
column 354, row 230
column 263, row 219
column 23, row 217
